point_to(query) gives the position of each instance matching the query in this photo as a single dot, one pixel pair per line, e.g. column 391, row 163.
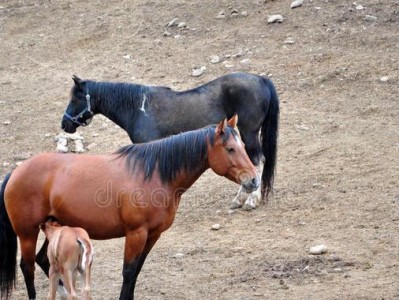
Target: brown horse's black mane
column 173, row 154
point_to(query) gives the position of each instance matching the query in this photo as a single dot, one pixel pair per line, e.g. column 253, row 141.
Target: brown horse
column 133, row 193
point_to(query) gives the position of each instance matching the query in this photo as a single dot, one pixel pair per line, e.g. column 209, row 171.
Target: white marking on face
column 142, row 108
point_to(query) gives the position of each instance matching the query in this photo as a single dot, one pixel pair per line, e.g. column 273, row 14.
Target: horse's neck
column 118, row 109
column 186, row 179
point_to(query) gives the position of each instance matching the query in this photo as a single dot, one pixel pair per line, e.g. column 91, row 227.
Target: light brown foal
column 69, row 251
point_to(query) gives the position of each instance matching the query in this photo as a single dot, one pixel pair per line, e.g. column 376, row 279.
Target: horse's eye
column 230, row 150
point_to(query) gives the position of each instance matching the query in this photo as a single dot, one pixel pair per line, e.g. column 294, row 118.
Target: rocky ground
column 335, row 64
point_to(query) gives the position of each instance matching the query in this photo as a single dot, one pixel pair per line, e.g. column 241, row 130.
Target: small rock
column 244, row 13
column 234, row 12
column 296, row 3
column 231, row 211
column 317, row 8
column 127, row 56
column 359, row 7
column 7, row 122
column 215, row 226
column 289, row 41
column 182, row 25
column 370, row 18
column 173, row 22
column 79, row 146
column 245, row 61
column 228, row 65
column 95, row 134
column 91, row 146
column 317, row 250
column 167, row 33
column 47, row 135
column 221, row 15
column 198, row 71
column 178, row 255
column 62, row 145
column 22, row 156
column 384, row 78
column 275, row 19
column 215, row 59
column 337, row 270
column 177, row 36
column 6, row 164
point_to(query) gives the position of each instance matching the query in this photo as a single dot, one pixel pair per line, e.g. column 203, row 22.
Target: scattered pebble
column 173, row 22
column 221, row 15
column 22, row 156
column 317, row 8
column 215, row 59
column 244, row 13
column 127, row 56
column 245, row 61
column 289, row 41
column 6, row 164
column 182, row 25
column 234, row 12
column 317, row 250
column 7, row 122
column 95, row 134
column 359, row 7
column 370, row 18
column 215, row 226
column 179, row 255
column 296, row 3
column 275, row 19
column 167, row 33
column 48, row 135
column 228, row 65
column 198, row 71
column 91, row 146
column 177, row 36
column 384, row 78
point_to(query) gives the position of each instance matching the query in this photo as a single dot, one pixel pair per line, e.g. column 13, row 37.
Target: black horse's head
column 78, row 112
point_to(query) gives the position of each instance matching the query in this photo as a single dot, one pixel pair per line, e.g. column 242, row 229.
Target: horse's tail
column 86, row 254
column 269, row 134
column 8, row 248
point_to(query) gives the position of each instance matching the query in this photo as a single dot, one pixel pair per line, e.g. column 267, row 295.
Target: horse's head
column 78, row 112
column 227, row 156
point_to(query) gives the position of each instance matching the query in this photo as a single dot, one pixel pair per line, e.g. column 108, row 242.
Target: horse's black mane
column 172, row 154
column 115, row 92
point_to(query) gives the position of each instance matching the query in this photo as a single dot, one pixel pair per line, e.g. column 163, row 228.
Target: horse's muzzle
column 68, row 126
column 252, row 184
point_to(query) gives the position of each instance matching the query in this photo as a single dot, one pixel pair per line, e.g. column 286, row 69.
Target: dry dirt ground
column 338, row 169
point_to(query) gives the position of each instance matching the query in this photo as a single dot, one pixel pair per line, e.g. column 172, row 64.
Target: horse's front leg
column 134, row 246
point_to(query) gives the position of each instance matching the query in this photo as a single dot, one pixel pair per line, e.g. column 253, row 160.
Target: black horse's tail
column 8, row 248
column 269, row 134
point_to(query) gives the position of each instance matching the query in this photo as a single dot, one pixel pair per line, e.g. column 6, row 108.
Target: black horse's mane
column 119, row 95
column 172, row 154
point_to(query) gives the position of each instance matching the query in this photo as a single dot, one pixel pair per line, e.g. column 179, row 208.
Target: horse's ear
column 221, row 127
column 77, row 80
column 233, row 121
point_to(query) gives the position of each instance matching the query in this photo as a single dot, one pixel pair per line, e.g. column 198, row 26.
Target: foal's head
column 78, row 112
column 227, row 156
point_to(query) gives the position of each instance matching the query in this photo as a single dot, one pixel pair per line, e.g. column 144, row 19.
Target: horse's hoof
column 248, row 207
column 235, row 205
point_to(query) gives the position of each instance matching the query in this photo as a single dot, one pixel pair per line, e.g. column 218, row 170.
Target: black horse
column 151, row 112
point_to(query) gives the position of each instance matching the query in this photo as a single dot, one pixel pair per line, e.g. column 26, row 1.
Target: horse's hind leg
column 28, row 255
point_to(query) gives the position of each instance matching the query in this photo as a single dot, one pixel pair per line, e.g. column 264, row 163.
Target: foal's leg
column 54, row 277
column 28, row 254
column 44, row 264
column 68, row 275
column 134, row 246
